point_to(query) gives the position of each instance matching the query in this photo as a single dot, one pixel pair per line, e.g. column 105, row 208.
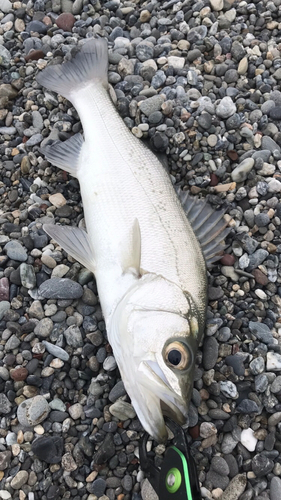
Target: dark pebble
column 48, row 448
column 210, row 353
column 105, row 451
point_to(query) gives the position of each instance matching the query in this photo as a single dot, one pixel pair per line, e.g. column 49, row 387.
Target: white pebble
column 248, row 439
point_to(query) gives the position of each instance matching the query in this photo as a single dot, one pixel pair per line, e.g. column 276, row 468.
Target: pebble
column 240, row 173
column 63, row 288
column 48, row 449
column 275, row 488
column 15, row 251
column 210, row 353
column 235, row 488
column 122, row 410
column 273, row 361
column 27, row 276
column 33, row 411
column 151, row 104
column 65, row 21
column 19, row 479
column 56, row 351
column 248, row 439
column 225, row 108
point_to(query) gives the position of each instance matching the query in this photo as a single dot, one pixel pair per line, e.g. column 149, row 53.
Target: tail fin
column 89, row 64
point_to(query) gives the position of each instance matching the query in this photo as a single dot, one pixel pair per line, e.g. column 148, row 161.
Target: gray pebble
column 5, row 405
column 73, row 336
column 33, row 411
column 275, row 488
column 226, row 108
column 15, row 251
column 210, row 353
column 56, row 351
column 60, row 288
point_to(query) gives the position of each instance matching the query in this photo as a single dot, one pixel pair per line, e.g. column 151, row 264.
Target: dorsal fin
column 209, row 225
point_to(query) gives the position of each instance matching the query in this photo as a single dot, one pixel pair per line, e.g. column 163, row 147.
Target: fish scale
column 130, row 183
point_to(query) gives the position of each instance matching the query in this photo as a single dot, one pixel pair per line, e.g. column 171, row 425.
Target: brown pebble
column 18, row 374
column 194, row 432
column 65, row 21
column 232, row 155
column 195, row 189
column 145, row 16
column 227, row 260
column 271, row 248
column 260, row 277
column 34, row 55
column 214, row 180
column 47, row 20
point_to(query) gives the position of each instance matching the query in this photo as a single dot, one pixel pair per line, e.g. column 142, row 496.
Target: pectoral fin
column 130, row 250
column 209, row 226
column 74, row 241
column 65, row 155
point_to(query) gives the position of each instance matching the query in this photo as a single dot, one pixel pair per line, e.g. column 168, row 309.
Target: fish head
column 154, row 335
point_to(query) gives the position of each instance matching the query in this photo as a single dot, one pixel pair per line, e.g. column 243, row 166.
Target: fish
column 147, row 246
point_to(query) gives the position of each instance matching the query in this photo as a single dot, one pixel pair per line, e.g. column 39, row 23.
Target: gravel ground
column 201, row 81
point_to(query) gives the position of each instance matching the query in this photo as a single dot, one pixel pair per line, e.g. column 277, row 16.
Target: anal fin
column 74, row 241
column 209, row 226
column 65, row 155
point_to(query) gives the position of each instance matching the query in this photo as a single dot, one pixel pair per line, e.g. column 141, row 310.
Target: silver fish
column 146, row 256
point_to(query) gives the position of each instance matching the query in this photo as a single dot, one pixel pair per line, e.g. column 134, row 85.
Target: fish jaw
column 153, row 398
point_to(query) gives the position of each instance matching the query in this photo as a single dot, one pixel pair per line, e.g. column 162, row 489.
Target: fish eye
column 177, row 355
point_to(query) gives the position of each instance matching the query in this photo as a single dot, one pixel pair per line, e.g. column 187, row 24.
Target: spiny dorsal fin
column 209, row 225
column 65, row 155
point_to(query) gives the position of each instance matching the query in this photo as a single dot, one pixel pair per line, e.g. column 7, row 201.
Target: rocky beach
column 200, row 83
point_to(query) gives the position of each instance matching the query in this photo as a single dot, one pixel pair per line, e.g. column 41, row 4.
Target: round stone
column 33, row 411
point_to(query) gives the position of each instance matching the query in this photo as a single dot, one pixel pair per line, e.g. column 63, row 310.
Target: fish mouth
column 161, row 400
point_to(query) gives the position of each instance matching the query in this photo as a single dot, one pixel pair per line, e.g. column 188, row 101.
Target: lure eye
column 177, row 355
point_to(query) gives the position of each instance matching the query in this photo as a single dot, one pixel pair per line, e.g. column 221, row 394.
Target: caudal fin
column 89, row 64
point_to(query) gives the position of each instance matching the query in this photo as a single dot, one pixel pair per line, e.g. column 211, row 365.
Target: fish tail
column 87, row 66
